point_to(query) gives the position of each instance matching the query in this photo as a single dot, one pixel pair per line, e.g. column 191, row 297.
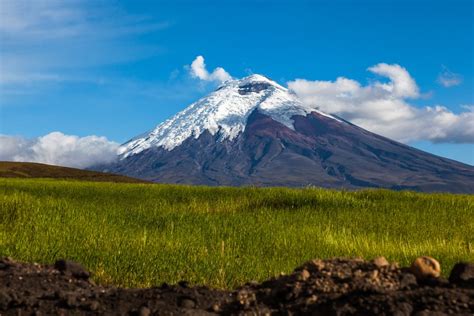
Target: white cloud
column 469, row 107
column 57, row 19
column 447, row 78
column 198, row 70
column 401, row 83
column 382, row 107
column 58, row 149
column 45, row 41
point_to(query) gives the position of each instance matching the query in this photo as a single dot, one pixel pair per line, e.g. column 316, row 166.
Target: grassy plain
column 10, row 169
column 142, row 235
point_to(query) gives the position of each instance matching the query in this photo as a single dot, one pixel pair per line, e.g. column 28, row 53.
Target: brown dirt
column 319, row 287
column 10, row 169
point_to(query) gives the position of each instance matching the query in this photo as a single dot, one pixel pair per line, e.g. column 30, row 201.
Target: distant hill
column 10, row 169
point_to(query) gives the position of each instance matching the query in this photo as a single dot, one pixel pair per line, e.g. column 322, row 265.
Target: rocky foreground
column 319, row 287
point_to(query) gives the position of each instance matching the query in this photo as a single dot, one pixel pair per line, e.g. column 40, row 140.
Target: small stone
column 144, row 311
column 374, row 275
column 425, row 267
column 318, row 264
column 394, row 266
column 216, row 308
column 242, row 294
column 93, row 306
column 72, row 268
column 186, row 302
column 311, row 300
column 462, row 274
column 403, row 309
column 407, row 280
column 380, row 262
column 304, row 275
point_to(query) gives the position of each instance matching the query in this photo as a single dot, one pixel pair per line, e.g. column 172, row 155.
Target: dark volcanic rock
column 462, row 274
column 72, row 268
column 253, row 87
column 318, row 287
column 320, row 151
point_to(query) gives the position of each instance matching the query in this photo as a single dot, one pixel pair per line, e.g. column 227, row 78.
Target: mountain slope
column 254, row 132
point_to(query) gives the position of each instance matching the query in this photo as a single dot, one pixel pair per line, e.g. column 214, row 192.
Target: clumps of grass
column 142, row 235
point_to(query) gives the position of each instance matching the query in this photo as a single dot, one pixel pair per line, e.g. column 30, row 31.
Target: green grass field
column 142, row 235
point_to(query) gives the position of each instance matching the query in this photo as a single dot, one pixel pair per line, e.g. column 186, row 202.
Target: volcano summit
column 253, row 131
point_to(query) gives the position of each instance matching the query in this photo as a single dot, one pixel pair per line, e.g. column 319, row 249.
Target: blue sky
column 118, row 68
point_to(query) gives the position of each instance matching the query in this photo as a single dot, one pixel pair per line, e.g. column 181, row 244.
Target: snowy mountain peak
column 225, row 111
column 256, row 78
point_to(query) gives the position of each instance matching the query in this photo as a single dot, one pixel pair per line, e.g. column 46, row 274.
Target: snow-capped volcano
column 253, row 131
column 224, row 112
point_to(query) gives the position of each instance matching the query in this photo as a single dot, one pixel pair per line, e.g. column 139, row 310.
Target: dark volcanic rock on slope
column 319, row 287
column 255, row 132
column 320, row 151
